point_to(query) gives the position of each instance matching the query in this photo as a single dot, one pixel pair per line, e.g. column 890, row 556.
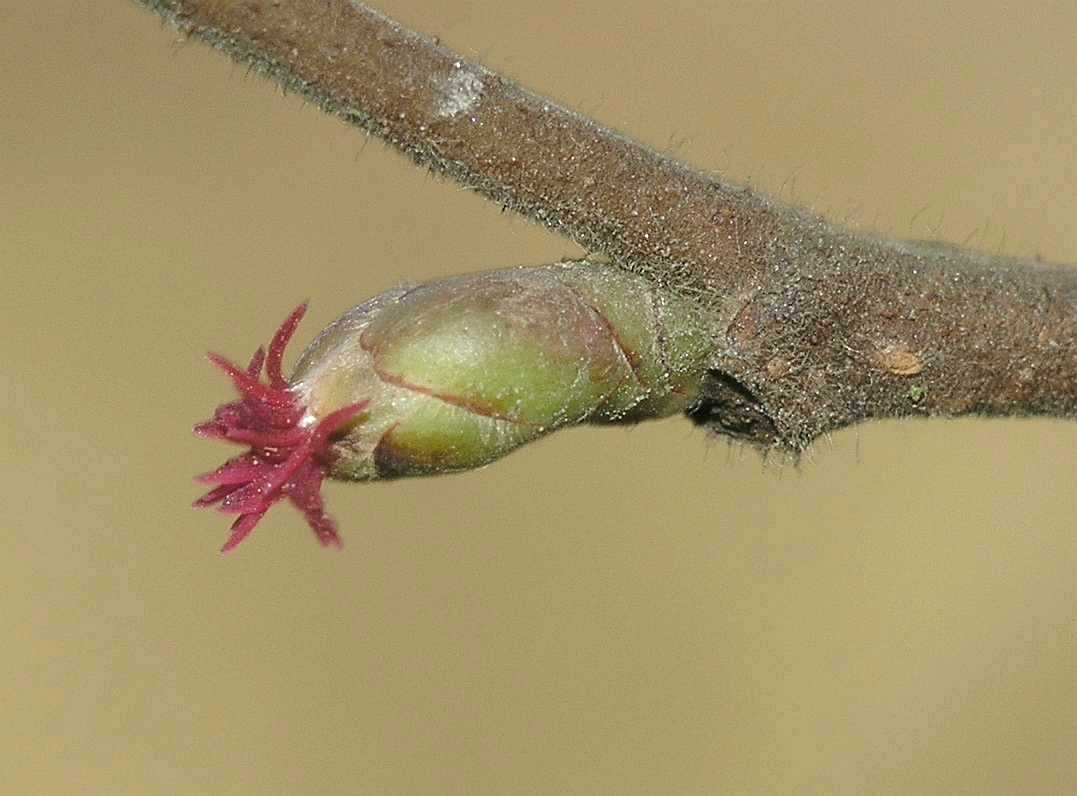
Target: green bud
column 457, row 373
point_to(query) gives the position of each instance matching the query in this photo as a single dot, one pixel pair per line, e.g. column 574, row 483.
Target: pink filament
column 285, row 459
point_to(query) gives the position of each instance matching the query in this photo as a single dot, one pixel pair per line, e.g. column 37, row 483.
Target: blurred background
column 606, row 611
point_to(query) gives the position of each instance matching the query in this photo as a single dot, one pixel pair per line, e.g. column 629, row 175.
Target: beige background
column 606, row 611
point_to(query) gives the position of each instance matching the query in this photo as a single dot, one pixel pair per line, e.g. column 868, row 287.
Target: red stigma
column 285, row 459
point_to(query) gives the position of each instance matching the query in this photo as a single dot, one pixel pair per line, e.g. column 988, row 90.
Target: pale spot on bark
column 899, row 360
column 778, row 367
column 460, row 92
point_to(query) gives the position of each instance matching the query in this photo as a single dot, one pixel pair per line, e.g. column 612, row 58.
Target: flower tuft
column 288, row 457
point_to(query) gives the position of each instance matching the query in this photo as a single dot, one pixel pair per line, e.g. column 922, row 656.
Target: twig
column 820, row 327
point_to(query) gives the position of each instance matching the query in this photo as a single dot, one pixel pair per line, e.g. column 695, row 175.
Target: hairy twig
column 816, row 327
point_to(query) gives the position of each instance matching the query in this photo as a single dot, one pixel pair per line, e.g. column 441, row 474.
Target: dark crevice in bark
column 728, row 408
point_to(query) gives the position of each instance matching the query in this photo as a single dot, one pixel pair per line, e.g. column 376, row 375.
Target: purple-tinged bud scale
column 461, row 371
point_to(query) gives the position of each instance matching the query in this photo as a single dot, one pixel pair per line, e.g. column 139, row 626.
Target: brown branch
column 822, row 327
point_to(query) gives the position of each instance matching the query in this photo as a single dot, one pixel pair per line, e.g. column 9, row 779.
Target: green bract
column 461, row 371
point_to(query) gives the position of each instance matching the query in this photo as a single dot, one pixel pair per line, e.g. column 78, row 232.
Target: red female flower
column 289, row 453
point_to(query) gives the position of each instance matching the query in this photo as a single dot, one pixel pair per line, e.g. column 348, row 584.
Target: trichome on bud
column 448, row 376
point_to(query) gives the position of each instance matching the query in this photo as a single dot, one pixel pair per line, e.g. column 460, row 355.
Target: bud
column 450, row 376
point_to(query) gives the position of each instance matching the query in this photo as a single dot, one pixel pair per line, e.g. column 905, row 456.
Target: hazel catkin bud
column 451, row 375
